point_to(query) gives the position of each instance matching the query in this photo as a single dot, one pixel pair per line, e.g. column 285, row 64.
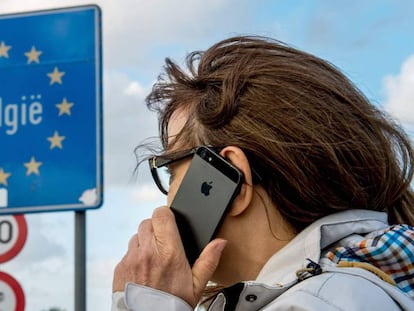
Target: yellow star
column 32, row 167
column 33, row 55
column 3, row 177
column 64, row 107
column 4, row 50
column 56, row 140
column 56, row 76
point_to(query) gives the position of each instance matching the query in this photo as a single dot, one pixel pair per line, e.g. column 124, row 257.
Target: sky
column 370, row 41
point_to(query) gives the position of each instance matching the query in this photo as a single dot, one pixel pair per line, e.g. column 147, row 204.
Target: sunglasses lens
column 164, row 177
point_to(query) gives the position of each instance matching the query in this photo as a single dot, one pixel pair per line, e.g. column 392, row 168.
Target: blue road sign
column 51, row 110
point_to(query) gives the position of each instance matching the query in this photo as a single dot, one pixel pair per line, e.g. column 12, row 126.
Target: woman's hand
column 156, row 258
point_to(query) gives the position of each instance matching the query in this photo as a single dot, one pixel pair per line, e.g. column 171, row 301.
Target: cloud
column 145, row 193
column 400, row 93
column 138, row 38
column 134, row 89
column 136, row 33
column 100, row 273
column 46, row 231
column 127, row 122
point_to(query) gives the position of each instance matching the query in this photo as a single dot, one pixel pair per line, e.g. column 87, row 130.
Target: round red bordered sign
column 13, row 235
column 11, row 293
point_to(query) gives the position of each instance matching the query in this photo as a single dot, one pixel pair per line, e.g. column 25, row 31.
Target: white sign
column 11, row 294
column 13, row 235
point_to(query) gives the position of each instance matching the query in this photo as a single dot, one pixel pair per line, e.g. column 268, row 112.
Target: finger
column 133, row 242
column 145, row 233
column 206, row 265
column 165, row 227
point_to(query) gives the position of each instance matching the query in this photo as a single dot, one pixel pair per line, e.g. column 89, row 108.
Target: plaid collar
column 391, row 250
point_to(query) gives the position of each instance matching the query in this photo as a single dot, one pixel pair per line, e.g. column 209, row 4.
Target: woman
column 318, row 229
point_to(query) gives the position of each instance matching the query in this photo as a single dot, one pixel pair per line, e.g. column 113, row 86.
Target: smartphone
column 207, row 190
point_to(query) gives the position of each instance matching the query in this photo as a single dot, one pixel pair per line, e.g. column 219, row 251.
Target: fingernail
column 220, row 245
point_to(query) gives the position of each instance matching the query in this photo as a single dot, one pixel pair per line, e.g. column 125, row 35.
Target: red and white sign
column 13, row 235
column 11, row 294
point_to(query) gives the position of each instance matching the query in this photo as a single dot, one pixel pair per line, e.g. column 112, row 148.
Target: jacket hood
column 312, row 241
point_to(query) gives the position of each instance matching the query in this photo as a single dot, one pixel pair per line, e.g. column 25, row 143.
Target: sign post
column 51, row 118
column 80, row 260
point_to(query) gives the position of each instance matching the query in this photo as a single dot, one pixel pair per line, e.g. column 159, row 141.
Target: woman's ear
column 238, row 158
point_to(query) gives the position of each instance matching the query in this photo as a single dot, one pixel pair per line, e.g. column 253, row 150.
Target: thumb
column 204, row 267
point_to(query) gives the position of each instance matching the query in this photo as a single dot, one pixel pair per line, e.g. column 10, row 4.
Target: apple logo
column 206, row 187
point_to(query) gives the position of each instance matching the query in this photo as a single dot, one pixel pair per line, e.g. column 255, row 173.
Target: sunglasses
column 159, row 166
column 162, row 175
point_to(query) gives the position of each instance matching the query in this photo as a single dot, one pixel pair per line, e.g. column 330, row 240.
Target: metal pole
column 80, row 260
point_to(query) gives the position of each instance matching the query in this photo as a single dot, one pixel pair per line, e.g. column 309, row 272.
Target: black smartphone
column 208, row 188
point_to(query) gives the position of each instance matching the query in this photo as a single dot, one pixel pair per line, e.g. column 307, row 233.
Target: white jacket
column 277, row 286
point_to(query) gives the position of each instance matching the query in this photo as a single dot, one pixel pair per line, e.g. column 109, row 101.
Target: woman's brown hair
column 318, row 144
